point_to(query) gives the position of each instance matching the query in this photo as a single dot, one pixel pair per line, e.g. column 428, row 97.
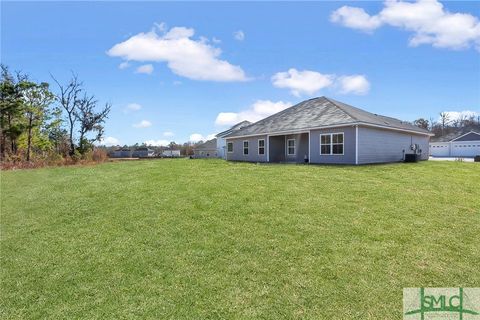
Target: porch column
column 268, row 148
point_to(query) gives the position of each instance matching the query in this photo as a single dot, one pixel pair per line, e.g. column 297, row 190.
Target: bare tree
column 68, row 98
column 444, row 120
column 90, row 120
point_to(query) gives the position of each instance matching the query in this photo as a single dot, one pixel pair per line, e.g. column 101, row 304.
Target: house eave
column 351, row 124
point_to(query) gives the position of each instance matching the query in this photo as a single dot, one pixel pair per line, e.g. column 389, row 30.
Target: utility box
column 412, row 157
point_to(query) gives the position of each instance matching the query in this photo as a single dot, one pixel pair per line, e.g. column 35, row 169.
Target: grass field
column 209, row 239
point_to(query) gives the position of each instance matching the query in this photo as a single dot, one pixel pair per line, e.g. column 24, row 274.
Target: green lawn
column 210, row 239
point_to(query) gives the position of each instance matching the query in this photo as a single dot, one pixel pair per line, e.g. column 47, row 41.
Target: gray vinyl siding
column 379, row 145
column 348, row 156
column 253, row 156
column 301, row 147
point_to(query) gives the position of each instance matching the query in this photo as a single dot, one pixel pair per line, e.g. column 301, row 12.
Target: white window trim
column 258, row 145
column 331, row 144
column 227, row 147
column 248, row 148
column 294, row 147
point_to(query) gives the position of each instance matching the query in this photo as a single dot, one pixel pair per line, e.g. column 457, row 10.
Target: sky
column 180, row 71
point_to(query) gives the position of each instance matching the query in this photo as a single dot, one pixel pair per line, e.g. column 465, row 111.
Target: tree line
column 37, row 121
column 446, row 124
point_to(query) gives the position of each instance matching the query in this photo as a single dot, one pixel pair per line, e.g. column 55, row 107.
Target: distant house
column 142, row 152
column 221, row 142
column 456, row 145
column 121, row 153
column 171, row 153
column 322, row 130
column 206, row 150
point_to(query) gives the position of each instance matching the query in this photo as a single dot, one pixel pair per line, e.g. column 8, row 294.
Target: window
column 245, row 147
column 325, row 144
column 230, row 147
column 331, row 144
column 261, row 146
column 291, row 147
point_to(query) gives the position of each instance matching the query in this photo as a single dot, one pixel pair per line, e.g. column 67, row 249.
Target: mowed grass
column 196, row 239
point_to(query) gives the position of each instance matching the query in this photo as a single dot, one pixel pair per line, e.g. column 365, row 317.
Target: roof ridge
column 337, row 104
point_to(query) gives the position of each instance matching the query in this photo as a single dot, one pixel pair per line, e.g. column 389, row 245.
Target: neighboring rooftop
column 207, row 145
column 455, row 135
column 320, row 112
column 234, row 128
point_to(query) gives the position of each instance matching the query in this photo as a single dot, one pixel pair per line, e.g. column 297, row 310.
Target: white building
column 171, row 153
column 465, row 145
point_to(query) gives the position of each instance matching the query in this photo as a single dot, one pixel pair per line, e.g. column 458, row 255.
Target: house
column 142, row 152
column 207, row 149
column 171, row 153
column 322, row 130
column 221, row 142
column 121, row 153
column 460, row 144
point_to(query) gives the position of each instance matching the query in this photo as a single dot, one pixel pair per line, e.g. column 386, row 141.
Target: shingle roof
column 320, row 112
column 207, row 145
column 235, row 127
column 452, row 136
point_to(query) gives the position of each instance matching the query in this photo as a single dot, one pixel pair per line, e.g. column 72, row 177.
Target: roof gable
column 234, row 128
column 207, row 145
column 470, row 136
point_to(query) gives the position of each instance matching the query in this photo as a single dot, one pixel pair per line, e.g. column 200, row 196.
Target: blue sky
column 373, row 55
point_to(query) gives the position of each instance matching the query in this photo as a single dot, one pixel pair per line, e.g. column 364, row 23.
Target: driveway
column 450, row 159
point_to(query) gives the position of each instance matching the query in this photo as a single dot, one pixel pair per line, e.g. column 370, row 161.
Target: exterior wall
column 379, row 145
column 465, row 148
column 440, row 149
column 253, row 156
column 204, row 153
column 142, row 154
column 301, row 147
column 221, row 148
column 171, row 153
column 348, row 156
column 121, row 154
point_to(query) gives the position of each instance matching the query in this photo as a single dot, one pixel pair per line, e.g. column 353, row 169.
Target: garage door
column 466, row 149
column 439, row 151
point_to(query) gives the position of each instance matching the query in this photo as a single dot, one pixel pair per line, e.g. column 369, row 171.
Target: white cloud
column 458, row 115
column 257, row 111
column 143, row 124
column 187, row 57
column 132, row 107
column 355, row 18
column 110, row 141
column 123, row 65
column 302, row 82
column 195, row 137
column 146, row 69
column 168, row 134
column 356, row 84
column 239, row 35
column 427, row 19
column 309, row 82
column 157, row 143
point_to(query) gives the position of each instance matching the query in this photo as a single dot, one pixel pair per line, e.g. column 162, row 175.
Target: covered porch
column 290, row 148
